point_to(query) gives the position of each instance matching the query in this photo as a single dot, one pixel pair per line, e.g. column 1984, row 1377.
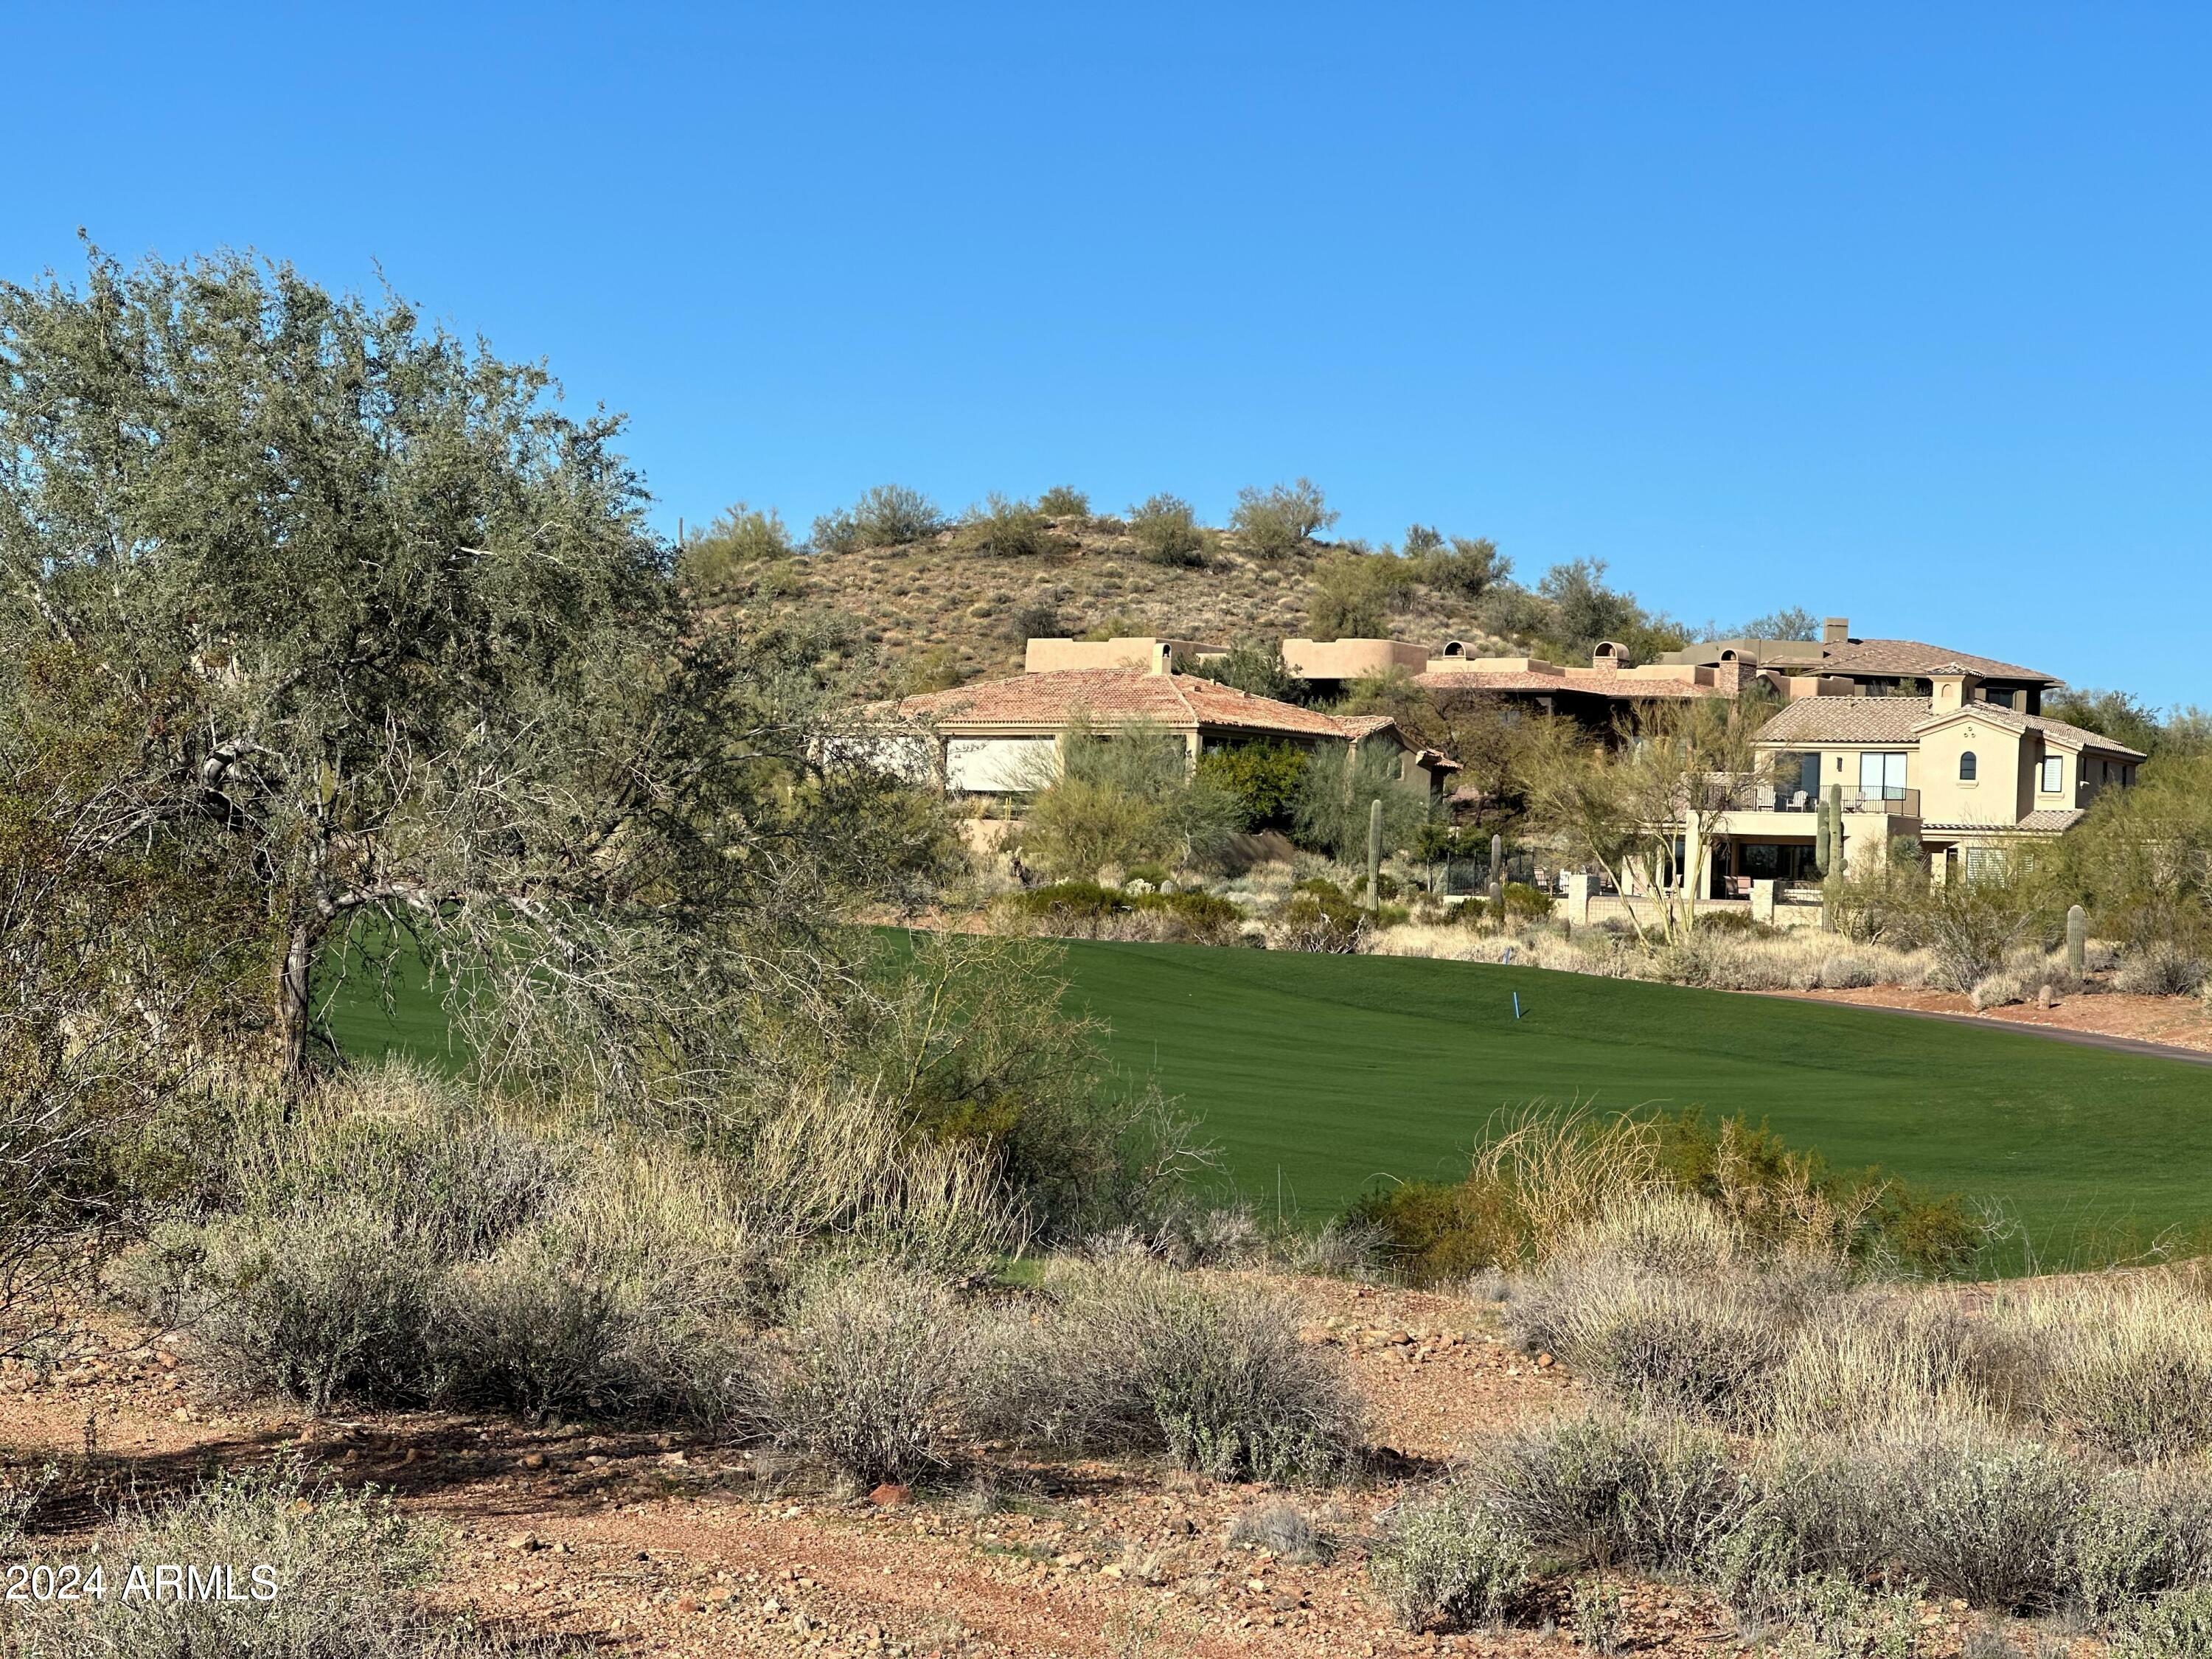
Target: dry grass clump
column 2162, row 970
column 1799, row 959
column 345, row 1580
column 400, row 1240
column 1282, row 1529
column 1127, row 1356
column 2126, row 1364
column 1875, row 1359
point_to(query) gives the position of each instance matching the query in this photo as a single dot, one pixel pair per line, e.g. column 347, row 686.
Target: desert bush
column 1167, row 531
column 2177, row 1625
column 2127, row 1365
column 1336, row 795
column 1283, row 1530
column 1064, row 502
column 1612, row 1490
column 345, row 1580
column 1125, row 799
column 1318, row 916
column 1431, row 1232
column 2159, row 969
column 1466, row 568
column 1280, row 519
column 1087, row 909
column 2141, row 1534
column 1445, row 1560
column 1265, row 778
column 1355, row 594
column 888, row 515
column 1133, row 1357
column 736, row 545
column 1983, row 1517
column 876, row 1369
column 1005, row 529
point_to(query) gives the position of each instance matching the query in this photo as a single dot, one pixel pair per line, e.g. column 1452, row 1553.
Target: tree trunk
column 294, row 983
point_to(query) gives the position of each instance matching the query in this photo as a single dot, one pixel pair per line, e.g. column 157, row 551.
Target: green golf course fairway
column 1319, row 1075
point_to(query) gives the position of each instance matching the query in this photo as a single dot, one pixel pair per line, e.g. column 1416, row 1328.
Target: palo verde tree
column 392, row 629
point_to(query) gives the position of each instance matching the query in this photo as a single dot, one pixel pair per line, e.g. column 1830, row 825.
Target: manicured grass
column 1318, row 1074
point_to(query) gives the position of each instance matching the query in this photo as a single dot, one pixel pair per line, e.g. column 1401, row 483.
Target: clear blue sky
column 1898, row 311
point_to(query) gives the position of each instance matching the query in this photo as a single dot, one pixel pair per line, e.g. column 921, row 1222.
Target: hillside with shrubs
column 939, row 598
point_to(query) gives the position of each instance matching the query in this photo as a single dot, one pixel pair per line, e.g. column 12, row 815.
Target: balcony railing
column 1898, row 803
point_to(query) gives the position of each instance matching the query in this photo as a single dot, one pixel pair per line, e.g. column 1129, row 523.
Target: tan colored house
column 1956, row 776
column 1001, row 737
column 1877, row 667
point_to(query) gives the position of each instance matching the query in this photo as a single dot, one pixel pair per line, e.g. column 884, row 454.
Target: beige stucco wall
column 1351, row 659
column 2003, row 788
column 1137, row 651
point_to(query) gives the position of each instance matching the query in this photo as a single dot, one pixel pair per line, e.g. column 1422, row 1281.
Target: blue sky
column 1895, row 311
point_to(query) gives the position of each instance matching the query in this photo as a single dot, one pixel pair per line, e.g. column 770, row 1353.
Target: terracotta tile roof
column 1847, row 720
column 2058, row 731
column 1621, row 688
column 1112, row 695
column 1915, row 657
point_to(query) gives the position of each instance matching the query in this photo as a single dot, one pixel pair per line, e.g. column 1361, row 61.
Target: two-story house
column 1957, row 775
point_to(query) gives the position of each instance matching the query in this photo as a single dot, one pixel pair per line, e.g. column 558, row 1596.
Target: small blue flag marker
column 1516, row 1005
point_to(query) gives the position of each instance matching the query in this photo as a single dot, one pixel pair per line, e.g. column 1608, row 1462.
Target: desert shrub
column 888, row 515
column 1445, row 1560
column 1355, row 594
column 735, row 546
column 1431, row 1232
column 1613, row 1492
column 1466, row 568
column 2140, row 1534
column 2159, row 969
column 1318, row 916
column 1280, row 519
column 1064, row 502
column 1336, row 796
column 1125, row 799
column 1984, row 1517
column 1972, row 923
column 2177, row 1625
column 1265, row 778
column 348, row 1574
column 1167, row 531
column 1005, row 529
column 1256, row 665
column 2126, row 1366
column 876, row 1363
column 1525, row 904
column 1086, row 908
column 1133, row 1357
column 1036, row 619
column 629, row 1298
column 1282, row 1529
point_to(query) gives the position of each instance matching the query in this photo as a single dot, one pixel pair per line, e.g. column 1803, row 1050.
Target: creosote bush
column 888, row 515
column 1134, row 1358
column 1167, row 531
column 876, row 1365
column 347, row 1572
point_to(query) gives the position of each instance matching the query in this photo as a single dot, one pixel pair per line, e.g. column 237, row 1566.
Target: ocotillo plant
column 1375, row 855
column 2078, row 940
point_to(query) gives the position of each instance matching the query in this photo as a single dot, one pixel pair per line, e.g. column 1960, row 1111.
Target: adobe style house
column 1002, row 737
column 1875, row 667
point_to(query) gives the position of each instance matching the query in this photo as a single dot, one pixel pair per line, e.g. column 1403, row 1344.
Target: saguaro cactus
column 2078, row 940
column 1823, row 837
column 1498, row 880
column 1375, row 855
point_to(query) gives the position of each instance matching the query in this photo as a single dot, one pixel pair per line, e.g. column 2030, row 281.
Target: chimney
column 1835, row 630
column 1953, row 691
column 1163, row 657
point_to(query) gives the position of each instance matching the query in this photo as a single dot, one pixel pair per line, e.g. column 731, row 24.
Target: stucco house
column 1956, row 775
column 999, row 736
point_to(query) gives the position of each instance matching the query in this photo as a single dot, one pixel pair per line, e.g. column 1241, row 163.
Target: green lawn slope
column 1319, row 1074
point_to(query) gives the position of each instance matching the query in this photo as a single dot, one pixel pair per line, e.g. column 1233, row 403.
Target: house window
column 1968, row 766
column 1881, row 776
column 2054, row 775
